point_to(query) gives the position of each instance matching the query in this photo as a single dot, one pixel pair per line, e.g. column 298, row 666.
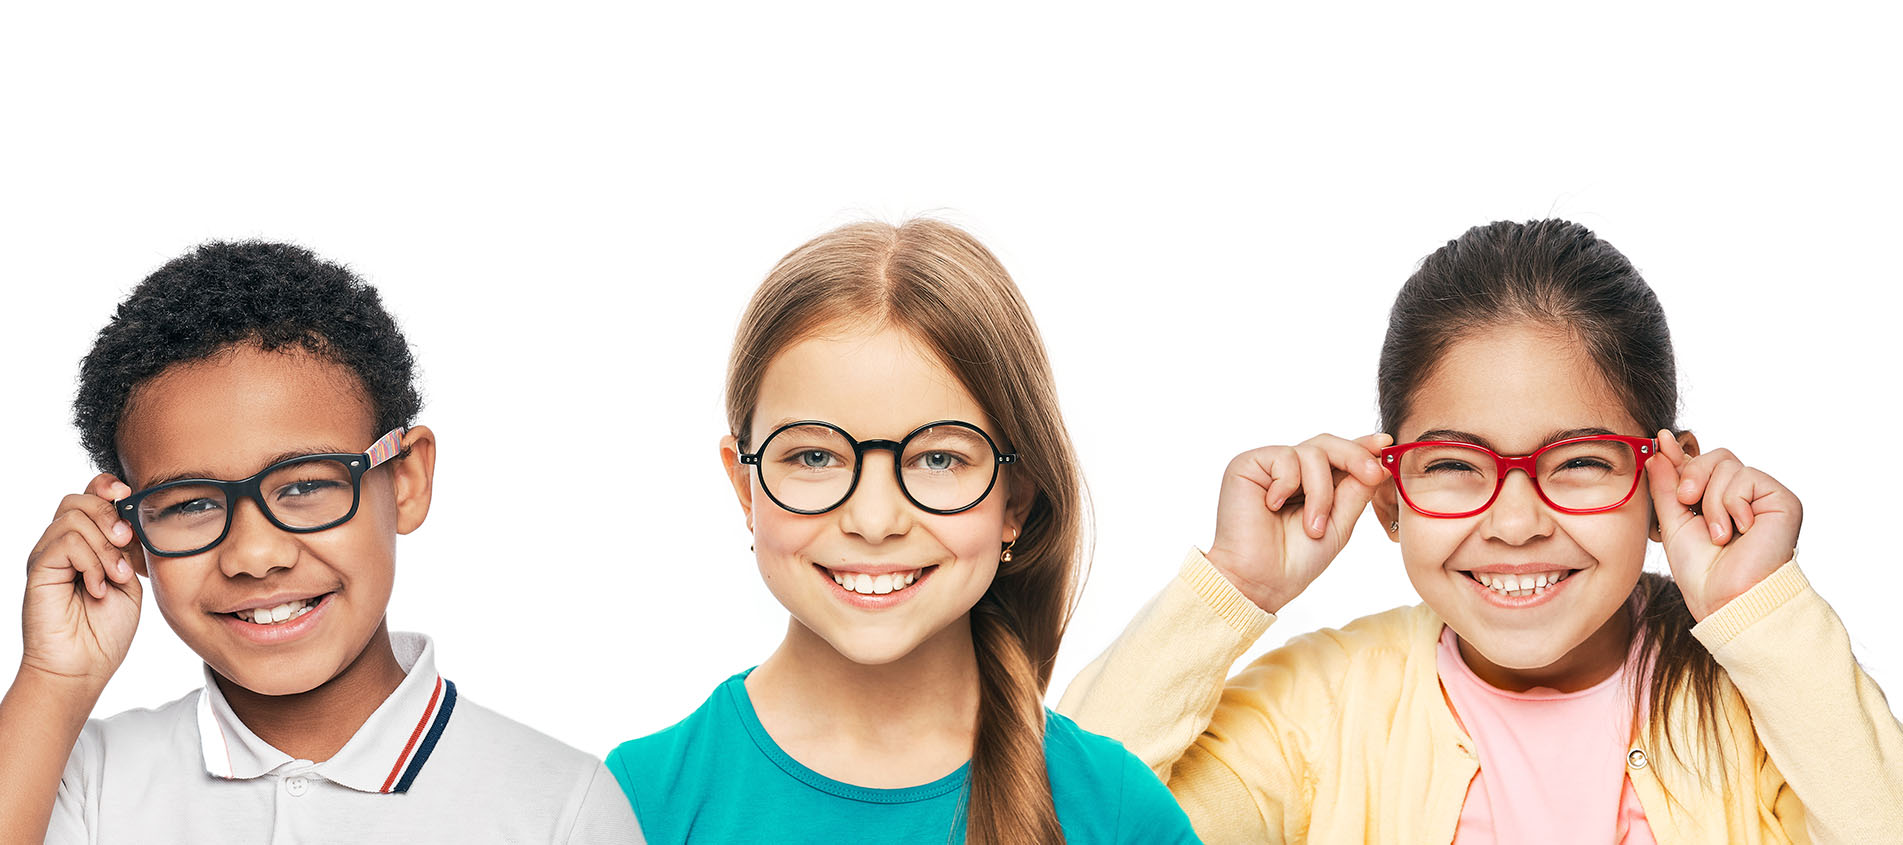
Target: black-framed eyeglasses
column 943, row 467
column 301, row 495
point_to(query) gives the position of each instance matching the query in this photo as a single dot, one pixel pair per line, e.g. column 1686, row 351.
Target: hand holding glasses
column 302, row 495
column 944, row 467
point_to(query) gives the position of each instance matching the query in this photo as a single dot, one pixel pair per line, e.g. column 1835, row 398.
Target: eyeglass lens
column 1586, row 475
column 310, row 493
column 811, row 467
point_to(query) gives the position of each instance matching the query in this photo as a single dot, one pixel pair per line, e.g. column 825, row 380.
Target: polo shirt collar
column 385, row 755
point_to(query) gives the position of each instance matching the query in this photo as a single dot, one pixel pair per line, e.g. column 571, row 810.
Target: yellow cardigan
column 1345, row 736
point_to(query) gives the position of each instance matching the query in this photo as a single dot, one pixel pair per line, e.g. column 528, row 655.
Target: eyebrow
column 272, row 461
column 1459, row 436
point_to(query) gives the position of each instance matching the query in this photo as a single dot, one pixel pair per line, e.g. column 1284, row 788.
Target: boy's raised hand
column 1286, row 511
column 82, row 596
column 1744, row 527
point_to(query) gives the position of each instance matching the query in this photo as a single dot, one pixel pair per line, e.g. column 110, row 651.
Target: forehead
column 228, row 415
column 875, row 383
column 1514, row 385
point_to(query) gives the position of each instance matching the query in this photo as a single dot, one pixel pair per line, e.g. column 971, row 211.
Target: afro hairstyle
column 275, row 296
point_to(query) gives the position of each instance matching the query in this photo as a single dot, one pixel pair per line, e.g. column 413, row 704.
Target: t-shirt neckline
column 735, row 689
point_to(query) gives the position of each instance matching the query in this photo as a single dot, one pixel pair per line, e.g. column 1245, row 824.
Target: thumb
column 1662, row 479
column 1351, row 498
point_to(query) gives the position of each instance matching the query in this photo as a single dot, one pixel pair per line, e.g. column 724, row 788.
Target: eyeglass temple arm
column 388, row 446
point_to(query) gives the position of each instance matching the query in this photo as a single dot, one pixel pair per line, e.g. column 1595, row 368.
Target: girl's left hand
column 1725, row 525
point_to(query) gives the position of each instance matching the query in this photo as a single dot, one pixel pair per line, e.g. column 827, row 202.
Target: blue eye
column 939, row 461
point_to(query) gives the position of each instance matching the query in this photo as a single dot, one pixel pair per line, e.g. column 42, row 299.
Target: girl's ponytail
column 1010, row 792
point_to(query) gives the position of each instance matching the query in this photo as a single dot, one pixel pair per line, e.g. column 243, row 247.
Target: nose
column 1518, row 515
column 254, row 546
column 877, row 509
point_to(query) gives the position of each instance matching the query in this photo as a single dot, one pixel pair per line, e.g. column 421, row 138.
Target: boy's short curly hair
column 272, row 295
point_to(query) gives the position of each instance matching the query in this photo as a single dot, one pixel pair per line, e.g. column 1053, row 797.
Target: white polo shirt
column 428, row 766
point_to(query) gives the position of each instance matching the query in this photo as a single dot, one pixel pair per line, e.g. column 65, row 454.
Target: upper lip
column 274, row 600
column 873, row 569
column 1519, row 568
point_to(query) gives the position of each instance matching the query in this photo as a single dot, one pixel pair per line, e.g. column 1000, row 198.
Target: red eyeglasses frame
column 1643, row 448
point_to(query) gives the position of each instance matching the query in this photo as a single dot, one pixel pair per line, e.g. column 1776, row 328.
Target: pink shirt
column 1552, row 764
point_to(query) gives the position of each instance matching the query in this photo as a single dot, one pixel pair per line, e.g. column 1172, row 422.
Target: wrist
column 1269, row 597
column 58, row 688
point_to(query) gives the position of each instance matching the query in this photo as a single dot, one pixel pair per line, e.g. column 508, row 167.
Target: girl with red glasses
column 1546, row 689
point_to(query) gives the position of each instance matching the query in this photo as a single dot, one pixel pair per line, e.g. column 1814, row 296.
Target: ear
column 1020, row 494
column 1689, row 442
column 1387, row 508
column 737, row 475
column 414, row 474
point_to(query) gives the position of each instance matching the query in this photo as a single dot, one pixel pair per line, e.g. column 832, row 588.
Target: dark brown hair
column 941, row 286
column 1558, row 274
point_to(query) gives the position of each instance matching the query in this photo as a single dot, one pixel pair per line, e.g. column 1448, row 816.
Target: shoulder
column 146, row 736
column 668, row 747
column 493, row 739
column 1103, row 792
column 1377, row 642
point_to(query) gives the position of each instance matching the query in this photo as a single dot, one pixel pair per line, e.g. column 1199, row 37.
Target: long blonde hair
column 939, row 284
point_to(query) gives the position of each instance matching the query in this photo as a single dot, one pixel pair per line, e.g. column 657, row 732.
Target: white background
column 1209, row 209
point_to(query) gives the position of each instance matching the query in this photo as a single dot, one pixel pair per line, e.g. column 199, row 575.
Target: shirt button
column 297, row 786
column 1636, row 759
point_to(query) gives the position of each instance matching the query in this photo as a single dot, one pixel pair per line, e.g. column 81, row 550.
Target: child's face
column 226, row 417
column 1515, row 389
column 875, row 384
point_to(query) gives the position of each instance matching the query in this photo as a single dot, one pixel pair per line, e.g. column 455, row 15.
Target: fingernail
column 1318, row 524
column 125, row 569
column 1372, row 466
column 1277, row 504
column 1717, row 531
column 121, row 529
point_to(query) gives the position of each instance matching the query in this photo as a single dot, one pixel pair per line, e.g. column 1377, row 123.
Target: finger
column 1318, row 489
column 1717, row 487
column 82, row 526
column 1669, row 446
column 73, row 553
column 1358, row 458
column 1740, row 501
column 1285, row 474
column 1351, row 498
column 1695, row 475
column 103, row 514
column 108, row 486
column 1661, row 477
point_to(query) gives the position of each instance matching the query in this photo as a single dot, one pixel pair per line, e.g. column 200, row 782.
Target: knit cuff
column 1728, row 622
column 1222, row 597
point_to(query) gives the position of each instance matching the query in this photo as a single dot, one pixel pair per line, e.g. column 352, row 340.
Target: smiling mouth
column 875, row 585
column 1520, row 586
column 280, row 614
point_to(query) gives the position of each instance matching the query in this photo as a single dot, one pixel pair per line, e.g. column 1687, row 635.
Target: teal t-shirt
column 717, row 777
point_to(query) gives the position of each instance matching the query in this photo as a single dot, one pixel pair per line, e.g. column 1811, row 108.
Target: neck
column 896, row 724
column 315, row 725
column 1587, row 664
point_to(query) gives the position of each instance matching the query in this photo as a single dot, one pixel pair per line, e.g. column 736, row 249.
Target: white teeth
column 274, row 615
column 1519, row 586
column 875, row 585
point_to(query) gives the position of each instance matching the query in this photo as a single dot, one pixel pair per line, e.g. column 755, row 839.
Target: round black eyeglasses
column 302, row 495
column 811, row 467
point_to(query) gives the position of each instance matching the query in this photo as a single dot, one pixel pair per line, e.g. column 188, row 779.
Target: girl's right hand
column 82, row 596
column 1286, row 511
